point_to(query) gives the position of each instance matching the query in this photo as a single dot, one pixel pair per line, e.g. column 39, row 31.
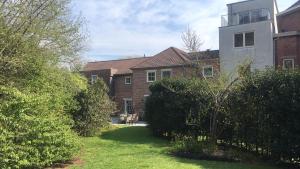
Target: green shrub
column 31, row 135
column 178, row 106
column 95, row 109
column 259, row 114
column 265, row 109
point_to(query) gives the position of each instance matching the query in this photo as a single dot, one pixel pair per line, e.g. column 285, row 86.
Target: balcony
column 245, row 17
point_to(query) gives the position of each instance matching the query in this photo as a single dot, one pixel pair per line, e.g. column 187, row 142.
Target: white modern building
column 246, row 34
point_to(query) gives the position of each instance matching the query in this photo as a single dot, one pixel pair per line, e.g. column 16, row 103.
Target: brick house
column 129, row 79
column 287, row 41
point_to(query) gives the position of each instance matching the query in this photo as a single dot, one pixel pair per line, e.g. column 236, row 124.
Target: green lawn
column 135, row 148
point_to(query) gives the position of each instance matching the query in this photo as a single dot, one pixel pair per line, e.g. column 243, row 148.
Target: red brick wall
column 121, row 91
column 139, row 86
column 104, row 74
column 289, row 22
column 288, row 48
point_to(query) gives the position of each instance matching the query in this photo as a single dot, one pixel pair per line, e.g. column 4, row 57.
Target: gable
column 167, row 58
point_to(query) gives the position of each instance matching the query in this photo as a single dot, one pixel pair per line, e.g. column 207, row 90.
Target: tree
column 36, row 93
column 192, row 41
column 35, row 34
column 95, row 109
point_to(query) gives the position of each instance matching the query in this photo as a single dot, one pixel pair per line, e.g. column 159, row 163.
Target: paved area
column 115, row 121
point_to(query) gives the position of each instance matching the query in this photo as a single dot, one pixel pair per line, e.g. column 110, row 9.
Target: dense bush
column 95, row 108
column 31, row 134
column 260, row 112
column 265, row 111
column 175, row 106
column 38, row 40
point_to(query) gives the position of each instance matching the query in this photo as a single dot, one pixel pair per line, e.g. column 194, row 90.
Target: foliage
column 95, row 109
column 257, row 112
column 35, row 33
column 176, row 106
column 31, row 134
column 264, row 114
column 38, row 39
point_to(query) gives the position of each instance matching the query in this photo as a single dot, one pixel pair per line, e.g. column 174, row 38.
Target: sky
column 130, row 28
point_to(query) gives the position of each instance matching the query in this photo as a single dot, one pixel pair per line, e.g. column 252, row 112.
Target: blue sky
column 129, row 28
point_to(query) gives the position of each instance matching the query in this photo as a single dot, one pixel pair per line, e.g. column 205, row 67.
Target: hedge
column 260, row 114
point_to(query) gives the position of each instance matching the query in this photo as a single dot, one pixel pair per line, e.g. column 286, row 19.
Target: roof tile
column 169, row 57
column 120, row 66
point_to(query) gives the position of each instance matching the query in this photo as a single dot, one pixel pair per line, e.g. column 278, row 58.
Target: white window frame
column 208, row 66
column 126, row 77
column 92, row 78
column 165, row 70
column 244, row 40
column 151, row 71
column 293, row 61
column 125, row 105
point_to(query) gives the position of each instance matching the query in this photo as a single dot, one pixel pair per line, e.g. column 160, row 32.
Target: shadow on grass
column 142, row 135
column 134, row 135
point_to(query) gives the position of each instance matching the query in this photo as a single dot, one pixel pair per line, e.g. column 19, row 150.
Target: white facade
column 247, row 35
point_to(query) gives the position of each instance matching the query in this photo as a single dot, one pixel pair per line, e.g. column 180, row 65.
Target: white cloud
column 135, row 27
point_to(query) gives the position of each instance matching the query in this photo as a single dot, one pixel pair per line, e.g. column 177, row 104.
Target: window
column 238, row 40
column 249, row 39
column 288, row 64
column 244, row 17
column 244, row 39
column 128, row 108
column 94, row 78
column 151, row 75
column 208, row 71
column 166, row 73
column 128, row 80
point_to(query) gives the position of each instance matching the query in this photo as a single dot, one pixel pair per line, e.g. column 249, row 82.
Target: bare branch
column 192, row 41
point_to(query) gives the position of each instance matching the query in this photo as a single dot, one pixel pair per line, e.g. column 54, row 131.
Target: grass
column 136, row 148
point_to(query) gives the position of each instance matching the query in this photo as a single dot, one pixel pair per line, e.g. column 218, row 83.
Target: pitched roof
column 209, row 54
column 291, row 9
column 121, row 66
column 295, row 4
column 169, row 57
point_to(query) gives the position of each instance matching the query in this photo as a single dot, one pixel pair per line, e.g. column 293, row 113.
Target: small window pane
column 151, row 76
column 249, row 39
column 238, row 40
column 166, row 74
column 208, row 71
column 288, row 64
column 127, row 80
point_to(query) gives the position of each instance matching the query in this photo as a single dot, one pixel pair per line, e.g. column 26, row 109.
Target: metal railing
column 245, row 17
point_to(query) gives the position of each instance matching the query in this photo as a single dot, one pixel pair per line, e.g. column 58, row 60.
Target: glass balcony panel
column 245, row 17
